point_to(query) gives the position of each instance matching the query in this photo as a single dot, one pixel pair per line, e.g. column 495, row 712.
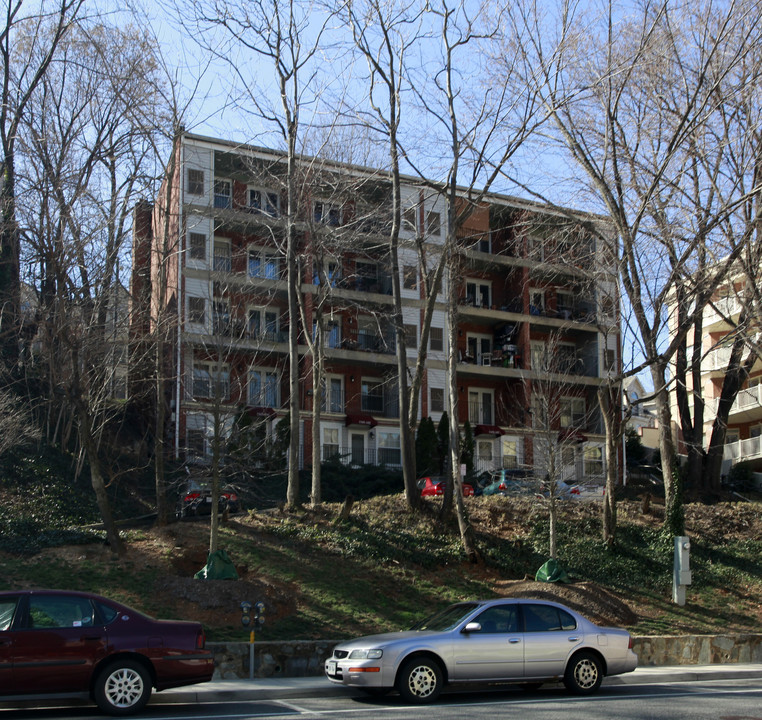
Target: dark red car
column 197, row 500
column 432, row 486
column 55, row 642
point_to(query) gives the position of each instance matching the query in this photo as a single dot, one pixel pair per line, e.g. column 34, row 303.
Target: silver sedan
column 508, row 640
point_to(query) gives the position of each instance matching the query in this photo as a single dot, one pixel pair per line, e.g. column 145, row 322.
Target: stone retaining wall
column 305, row 658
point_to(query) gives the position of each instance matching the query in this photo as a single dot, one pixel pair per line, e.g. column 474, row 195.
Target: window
column 222, row 256
column 197, row 246
column 536, row 302
column 332, row 271
column 436, row 400
column 478, row 293
column 567, row 358
column 265, row 202
column 433, row 223
column 367, row 276
column 409, row 277
column 480, row 407
column 330, row 442
column 436, row 339
column 510, row 448
column 479, row 349
column 536, row 247
column 410, row 219
column 609, row 359
column 593, row 457
column 499, row 619
column 372, row 396
column 546, row 618
column 332, row 333
column 210, row 381
column 196, row 442
column 484, row 451
column 572, row 412
column 264, row 324
column 327, row 214
column 195, row 184
column 197, row 310
column 264, row 388
column 333, row 395
column 7, row 610
column 564, row 305
column 608, row 307
column 59, row 611
column 539, row 357
column 221, row 317
column 411, row 336
column 484, row 244
column 223, row 194
column 264, row 264
column 389, row 448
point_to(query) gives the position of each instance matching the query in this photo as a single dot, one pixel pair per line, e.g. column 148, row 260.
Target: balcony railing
column 748, row 449
column 367, row 341
column 726, row 308
column 367, row 456
column 748, row 399
column 480, row 414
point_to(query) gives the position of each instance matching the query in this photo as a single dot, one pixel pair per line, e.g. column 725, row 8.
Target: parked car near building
column 507, row 640
column 55, row 642
column 196, row 499
column 433, row 486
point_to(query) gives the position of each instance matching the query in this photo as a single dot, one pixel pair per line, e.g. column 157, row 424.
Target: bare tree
column 28, row 45
column 84, row 160
column 287, row 36
column 627, row 105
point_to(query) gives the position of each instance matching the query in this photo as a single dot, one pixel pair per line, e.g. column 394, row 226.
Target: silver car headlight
column 365, row 654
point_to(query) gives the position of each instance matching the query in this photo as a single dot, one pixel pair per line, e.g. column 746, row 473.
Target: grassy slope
column 386, row 567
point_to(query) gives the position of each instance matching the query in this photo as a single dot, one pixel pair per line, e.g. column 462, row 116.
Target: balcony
column 749, row 449
column 747, row 406
column 725, row 308
column 366, row 340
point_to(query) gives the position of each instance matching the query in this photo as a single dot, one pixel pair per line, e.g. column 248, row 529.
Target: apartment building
column 743, row 438
column 537, row 307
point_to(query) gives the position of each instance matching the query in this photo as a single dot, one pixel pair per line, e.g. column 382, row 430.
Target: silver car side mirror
column 472, row 627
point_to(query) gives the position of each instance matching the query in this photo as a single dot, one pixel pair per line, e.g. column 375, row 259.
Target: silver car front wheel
column 123, row 687
column 420, row 680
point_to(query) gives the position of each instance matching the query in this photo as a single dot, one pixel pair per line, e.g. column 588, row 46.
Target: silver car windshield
column 446, row 619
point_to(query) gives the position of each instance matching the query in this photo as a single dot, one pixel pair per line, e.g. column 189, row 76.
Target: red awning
column 573, row 435
column 488, row 430
column 361, row 421
column 257, row 412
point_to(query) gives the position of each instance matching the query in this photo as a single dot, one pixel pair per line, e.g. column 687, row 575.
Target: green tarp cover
column 551, row 571
column 218, row 566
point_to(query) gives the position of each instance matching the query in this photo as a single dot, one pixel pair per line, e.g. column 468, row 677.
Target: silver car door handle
column 573, row 638
column 514, row 641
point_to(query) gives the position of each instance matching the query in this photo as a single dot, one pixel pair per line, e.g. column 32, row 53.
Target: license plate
column 331, row 667
column 209, row 500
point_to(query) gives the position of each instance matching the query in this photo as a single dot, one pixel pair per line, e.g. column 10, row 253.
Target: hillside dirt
column 180, row 550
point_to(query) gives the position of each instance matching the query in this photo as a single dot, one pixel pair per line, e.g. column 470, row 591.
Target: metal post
column 251, row 655
column 681, row 575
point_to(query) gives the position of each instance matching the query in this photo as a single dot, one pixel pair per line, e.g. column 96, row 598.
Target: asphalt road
column 702, row 700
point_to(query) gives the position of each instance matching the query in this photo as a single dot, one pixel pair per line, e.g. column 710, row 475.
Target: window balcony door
column 358, row 449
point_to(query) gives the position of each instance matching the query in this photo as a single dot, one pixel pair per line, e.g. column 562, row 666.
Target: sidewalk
column 291, row 688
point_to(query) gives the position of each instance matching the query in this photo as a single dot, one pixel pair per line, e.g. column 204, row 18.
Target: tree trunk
column 97, row 482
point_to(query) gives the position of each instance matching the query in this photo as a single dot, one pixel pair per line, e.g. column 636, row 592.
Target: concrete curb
column 292, row 688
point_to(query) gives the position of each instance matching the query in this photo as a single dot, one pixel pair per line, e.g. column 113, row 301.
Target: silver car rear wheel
column 420, row 680
column 584, row 674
